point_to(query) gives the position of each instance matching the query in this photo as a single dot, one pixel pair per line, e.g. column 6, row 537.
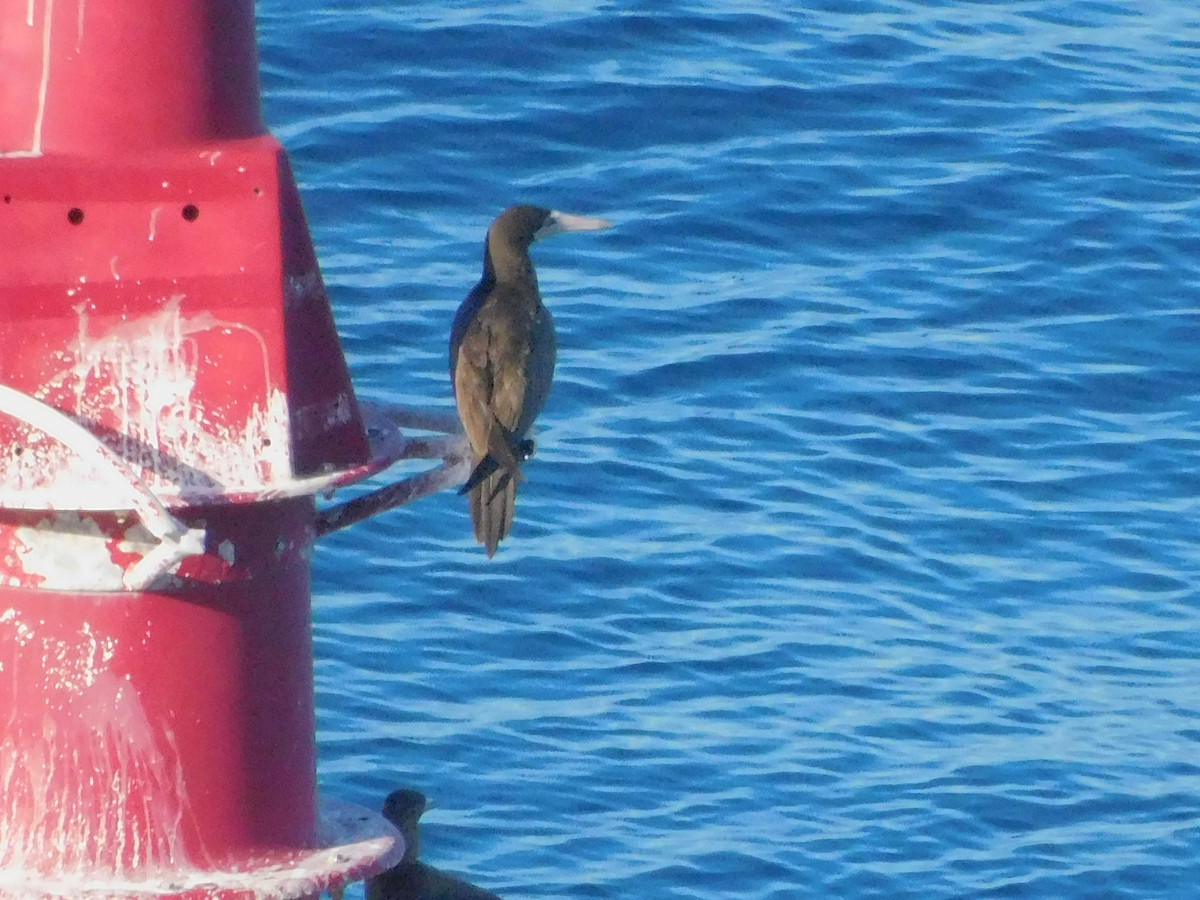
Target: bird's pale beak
column 558, row 222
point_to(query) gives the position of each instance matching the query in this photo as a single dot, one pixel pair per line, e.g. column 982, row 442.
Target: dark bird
column 502, row 352
column 410, row 879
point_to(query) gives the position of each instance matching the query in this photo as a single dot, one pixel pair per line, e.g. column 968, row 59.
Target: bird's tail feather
column 503, row 449
column 493, row 502
column 488, row 465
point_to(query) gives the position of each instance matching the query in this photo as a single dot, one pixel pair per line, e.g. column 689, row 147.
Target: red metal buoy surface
column 172, row 396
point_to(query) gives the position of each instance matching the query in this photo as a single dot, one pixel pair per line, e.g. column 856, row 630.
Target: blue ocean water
column 860, row 554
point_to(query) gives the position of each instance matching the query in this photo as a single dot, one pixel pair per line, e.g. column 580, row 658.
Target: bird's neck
column 412, row 847
column 505, row 264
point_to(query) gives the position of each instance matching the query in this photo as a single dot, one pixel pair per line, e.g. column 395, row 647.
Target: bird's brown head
column 519, row 225
column 512, row 232
column 403, row 808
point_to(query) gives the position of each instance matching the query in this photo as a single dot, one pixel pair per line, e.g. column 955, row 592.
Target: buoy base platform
column 353, row 842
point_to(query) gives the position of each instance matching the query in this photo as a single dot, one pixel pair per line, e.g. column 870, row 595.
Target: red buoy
column 172, row 396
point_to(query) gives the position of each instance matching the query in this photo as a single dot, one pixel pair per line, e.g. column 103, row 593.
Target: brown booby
column 502, row 352
column 410, row 879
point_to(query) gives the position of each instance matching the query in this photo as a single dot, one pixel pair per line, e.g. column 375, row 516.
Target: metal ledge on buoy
column 97, row 476
column 97, row 509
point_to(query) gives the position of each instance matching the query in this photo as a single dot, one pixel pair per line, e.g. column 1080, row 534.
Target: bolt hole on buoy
column 75, row 215
column 191, row 212
column 8, row 198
